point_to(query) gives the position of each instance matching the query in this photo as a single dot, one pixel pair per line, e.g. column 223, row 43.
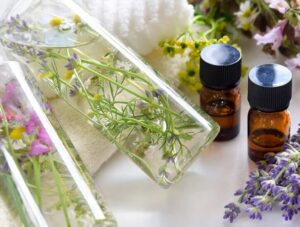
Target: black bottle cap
column 220, row 66
column 270, row 87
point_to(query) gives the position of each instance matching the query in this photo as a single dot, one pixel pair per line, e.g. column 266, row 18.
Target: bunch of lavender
column 276, row 182
column 274, row 24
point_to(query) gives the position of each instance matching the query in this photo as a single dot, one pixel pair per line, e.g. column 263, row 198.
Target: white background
column 198, row 199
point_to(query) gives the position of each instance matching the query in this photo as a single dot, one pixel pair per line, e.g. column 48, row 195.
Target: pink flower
column 293, row 63
column 41, row 145
column 33, row 124
column 9, row 95
column 38, row 148
column 274, row 36
column 10, row 116
column 280, row 5
column 44, row 137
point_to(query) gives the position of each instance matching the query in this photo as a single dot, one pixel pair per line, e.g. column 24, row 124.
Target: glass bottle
column 113, row 89
column 220, row 70
column 36, row 154
column 269, row 121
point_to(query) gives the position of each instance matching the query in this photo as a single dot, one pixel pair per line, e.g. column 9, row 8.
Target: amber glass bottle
column 220, row 70
column 269, row 121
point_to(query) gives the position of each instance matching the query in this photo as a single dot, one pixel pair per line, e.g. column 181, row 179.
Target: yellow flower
column 225, row 39
column 76, row 19
column 247, row 12
column 198, row 86
column 68, row 75
column 247, row 26
column 43, row 75
column 182, row 75
column 17, row 133
column 97, row 97
column 190, row 44
column 56, row 21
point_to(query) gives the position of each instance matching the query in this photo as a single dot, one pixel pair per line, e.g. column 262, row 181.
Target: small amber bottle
column 269, row 121
column 220, row 74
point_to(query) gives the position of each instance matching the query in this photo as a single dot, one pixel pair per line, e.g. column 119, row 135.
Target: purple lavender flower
column 148, row 93
column 264, row 203
column 276, row 182
column 238, row 192
column 231, row 212
column 73, row 91
column 289, row 211
column 254, row 213
column 269, row 184
column 72, row 62
column 170, row 138
column 17, row 24
column 157, row 93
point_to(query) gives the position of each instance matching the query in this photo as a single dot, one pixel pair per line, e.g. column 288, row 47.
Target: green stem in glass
column 60, row 189
column 37, row 179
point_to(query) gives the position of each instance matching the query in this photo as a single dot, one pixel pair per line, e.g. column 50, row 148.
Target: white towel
column 141, row 24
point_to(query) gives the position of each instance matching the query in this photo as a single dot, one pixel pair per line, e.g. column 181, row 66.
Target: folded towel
column 142, row 24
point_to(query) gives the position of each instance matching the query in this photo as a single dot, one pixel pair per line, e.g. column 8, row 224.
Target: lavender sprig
column 276, row 182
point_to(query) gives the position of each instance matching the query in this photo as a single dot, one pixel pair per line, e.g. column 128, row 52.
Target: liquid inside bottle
column 263, row 141
column 224, row 107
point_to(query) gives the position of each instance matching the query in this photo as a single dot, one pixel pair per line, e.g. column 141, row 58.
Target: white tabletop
column 199, row 198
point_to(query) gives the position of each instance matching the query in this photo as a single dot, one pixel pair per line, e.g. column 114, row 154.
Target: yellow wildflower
column 44, row 74
column 76, row 19
column 68, row 75
column 97, row 97
column 247, row 12
column 247, row 26
column 190, row 44
column 17, row 133
column 56, row 21
column 225, row 39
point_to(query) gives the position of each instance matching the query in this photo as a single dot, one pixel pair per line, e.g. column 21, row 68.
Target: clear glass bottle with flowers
column 118, row 93
column 35, row 154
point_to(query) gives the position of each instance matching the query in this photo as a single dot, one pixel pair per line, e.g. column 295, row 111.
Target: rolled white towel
column 142, row 24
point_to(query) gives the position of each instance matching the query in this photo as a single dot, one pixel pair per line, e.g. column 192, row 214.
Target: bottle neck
column 271, row 111
column 222, row 88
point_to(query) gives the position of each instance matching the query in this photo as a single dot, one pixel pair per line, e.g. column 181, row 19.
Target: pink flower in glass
column 33, row 123
column 281, row 5
column 44, row 137
column 11, row 101
column 274, row 36
column 293, row 63
column 9, row 116
column 38, row 148
column 9, row 93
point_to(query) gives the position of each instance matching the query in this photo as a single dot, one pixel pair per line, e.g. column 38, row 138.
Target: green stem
column 17, row 201
column 61, row 192
column 37, row 180
column 127, row 89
